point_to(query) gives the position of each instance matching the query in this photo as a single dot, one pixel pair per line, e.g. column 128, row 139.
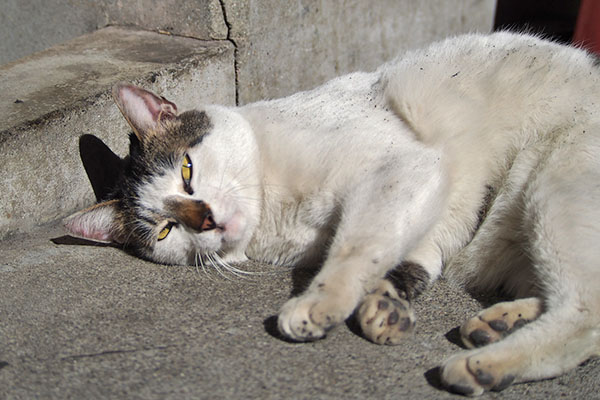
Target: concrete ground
column 79, row 321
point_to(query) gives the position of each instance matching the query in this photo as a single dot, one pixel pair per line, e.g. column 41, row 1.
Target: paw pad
column 385, row 318
column 471, row 376
column 498, row 321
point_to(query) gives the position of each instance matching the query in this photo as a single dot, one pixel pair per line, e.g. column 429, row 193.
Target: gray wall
column 34, row 25
column 281, row 46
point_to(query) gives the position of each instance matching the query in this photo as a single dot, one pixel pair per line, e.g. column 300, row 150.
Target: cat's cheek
column 234, row 228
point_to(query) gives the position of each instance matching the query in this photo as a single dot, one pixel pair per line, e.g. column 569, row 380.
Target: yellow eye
column 165, row 231
column 186, row 170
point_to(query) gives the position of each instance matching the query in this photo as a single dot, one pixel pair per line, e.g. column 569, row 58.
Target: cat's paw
column 310, row 316
column 471, row 374
column 498, row 321
column 384, row 316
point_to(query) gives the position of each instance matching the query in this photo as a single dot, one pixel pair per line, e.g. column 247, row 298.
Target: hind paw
column 385, row 317
column 475, row 374
column 498, row 321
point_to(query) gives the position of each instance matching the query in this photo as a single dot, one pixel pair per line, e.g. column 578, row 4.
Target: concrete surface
column 28, row 26
column 53, row 97
column 283, row 49
column 88, row 322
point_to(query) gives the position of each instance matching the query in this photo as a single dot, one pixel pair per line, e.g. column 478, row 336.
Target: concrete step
column 53, row 97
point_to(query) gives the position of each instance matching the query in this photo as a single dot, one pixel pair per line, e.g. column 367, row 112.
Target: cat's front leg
column 380, row 225
column 330, row 299
column 338, row 290
column 310, row 316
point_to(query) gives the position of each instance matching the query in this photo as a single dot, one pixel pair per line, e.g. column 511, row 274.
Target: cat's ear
column 96, row 223
column 103, row 167
column 143, row 110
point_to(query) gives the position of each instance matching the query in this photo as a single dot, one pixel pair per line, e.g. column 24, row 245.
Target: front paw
column 385, row 317
column 309, row 317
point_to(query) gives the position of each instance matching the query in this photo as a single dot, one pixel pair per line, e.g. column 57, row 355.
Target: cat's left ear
column 96, row 223
column 144, row 111
column 102, row 165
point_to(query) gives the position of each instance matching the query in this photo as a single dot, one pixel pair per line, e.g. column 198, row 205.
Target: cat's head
column 189, row 191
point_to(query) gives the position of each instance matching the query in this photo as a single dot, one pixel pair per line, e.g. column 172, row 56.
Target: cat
column 477, row 155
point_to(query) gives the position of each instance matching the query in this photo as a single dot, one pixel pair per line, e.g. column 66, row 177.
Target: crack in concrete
column 235, row 51
column 109, row 352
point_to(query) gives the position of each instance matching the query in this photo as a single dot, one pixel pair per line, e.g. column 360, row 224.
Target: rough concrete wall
column 28, row 26
column 283, row 47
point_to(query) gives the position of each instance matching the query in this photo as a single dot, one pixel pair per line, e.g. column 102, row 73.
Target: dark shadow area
column 103, row 167
column 301, row 279
column 433, row 378
column 270, row 325
column 354, row 326
column 271, row 328
column 3, row 364
column 490, row 298
column 74, row 241
column 453, row 336
column 551, row 18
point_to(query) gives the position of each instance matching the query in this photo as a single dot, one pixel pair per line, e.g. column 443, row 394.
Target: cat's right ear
column 144, row 111
column 96, row 223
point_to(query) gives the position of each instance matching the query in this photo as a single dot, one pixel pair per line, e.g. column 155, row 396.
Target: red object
column 587, row 29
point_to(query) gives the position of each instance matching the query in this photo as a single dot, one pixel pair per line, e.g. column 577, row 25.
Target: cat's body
column 479, row 153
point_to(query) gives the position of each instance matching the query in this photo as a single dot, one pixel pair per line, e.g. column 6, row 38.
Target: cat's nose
column 209, row 222
column 194, row 214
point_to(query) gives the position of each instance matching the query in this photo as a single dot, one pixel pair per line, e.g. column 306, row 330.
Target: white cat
column 479, row 155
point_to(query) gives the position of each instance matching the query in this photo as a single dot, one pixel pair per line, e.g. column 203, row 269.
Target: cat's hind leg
column 560, row 221
column 554, row 343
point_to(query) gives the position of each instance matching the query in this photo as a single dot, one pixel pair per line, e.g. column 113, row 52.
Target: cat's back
column 504, row 79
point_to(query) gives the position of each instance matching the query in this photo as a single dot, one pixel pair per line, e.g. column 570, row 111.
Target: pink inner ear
column 93, row 234
column 94, row 223
column 142, row 108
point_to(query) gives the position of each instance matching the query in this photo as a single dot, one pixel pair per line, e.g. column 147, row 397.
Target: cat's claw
column 384, row 316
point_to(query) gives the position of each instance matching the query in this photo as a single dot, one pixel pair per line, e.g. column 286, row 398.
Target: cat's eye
column 186, row 173
column 165, row 231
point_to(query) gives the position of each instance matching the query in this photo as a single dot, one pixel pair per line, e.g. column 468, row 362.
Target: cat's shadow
column 301, row 278
column 453, row 336
column 68, row 240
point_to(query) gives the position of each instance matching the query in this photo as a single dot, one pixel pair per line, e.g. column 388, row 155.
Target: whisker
column 204, row 269
column 216, row 266
column 230, row 268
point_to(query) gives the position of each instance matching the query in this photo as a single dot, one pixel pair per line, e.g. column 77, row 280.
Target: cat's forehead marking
column 195, row 124
column 186, row 131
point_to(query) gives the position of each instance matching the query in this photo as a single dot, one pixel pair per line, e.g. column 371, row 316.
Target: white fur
column 225, row 177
